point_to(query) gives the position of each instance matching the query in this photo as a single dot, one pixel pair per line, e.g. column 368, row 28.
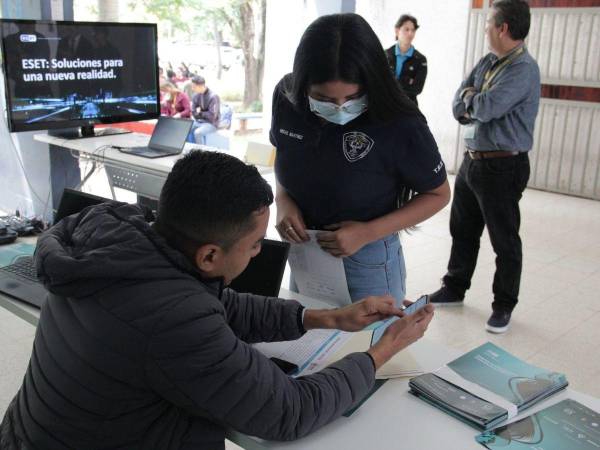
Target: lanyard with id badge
column 490, row 75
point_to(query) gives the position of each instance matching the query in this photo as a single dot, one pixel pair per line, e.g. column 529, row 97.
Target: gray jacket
column 135, row 351
column 503, row 117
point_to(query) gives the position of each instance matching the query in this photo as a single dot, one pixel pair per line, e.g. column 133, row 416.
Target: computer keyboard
column 23, row 267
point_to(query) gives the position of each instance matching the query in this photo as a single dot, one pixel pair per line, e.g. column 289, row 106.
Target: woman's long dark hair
column 344, row 47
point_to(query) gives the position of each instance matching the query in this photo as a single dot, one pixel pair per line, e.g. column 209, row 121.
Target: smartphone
column 287, row 367
column 417, row 305
column 410, row 309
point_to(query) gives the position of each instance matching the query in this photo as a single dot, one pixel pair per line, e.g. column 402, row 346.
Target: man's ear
column 504, row 29
column 208, row 258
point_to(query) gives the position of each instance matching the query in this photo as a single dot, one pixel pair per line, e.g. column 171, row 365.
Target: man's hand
column 345, row 238
column 353, row 317
column 400, row 335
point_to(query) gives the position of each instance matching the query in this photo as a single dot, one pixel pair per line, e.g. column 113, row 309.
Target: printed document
column 317, row 273
column 310, row 353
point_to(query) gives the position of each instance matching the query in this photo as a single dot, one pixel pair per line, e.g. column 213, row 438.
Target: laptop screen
column 265, row 271
column 170, row 133
column 73, row 201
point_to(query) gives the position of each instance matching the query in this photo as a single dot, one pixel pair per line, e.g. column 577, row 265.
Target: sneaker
column 498, row 322
column 445, row 297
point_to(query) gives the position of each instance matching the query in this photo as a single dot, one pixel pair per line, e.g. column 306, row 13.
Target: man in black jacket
column 205, row 110
column 140, row 346
column 408, row 65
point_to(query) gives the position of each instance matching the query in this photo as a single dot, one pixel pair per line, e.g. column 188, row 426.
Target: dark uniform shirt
column 354, row 171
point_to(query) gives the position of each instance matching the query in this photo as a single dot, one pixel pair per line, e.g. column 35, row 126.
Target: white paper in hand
column 317, row 273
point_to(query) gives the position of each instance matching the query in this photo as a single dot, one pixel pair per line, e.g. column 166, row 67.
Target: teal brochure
column 496, row 371
column 568, row 425
column 500, row 372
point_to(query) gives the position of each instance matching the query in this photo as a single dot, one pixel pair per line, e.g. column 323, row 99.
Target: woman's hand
column 345, row 239
column 289, row 222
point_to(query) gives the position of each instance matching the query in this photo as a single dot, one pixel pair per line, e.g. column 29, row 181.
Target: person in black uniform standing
column 349, row 145
column 408, row 65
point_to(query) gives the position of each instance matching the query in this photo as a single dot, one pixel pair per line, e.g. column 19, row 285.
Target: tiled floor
column 557, row 322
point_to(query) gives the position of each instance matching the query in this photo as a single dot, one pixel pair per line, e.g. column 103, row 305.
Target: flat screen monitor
column 77, row 74
column 265, row 271
column 73, row 201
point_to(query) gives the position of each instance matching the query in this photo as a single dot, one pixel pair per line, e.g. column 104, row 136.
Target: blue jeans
column 376, row 269
column 199, row 131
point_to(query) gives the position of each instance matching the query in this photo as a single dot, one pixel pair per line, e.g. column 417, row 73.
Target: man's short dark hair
column 210, row 198
column 406, row 18
column 516, row 14
column 197, row 79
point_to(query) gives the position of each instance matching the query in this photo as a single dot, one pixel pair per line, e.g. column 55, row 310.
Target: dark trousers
column 487, row 193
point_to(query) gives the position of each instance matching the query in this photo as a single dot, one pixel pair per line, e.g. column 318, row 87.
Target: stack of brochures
column 486, row 386
column 565, row 425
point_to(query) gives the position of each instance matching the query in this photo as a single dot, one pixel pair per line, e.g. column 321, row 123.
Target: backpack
column 225, row 116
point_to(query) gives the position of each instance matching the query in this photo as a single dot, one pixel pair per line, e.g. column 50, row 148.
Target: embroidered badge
column 356, row 145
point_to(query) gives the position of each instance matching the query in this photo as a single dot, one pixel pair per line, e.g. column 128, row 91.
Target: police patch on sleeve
column 356, row 145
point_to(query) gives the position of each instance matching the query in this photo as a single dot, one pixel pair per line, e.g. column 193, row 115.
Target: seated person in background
column 187, row 87
column 171, row 77
column 141, row 346
column 205, row 110
column 173, row 102
column 161, row 76
column 182, row 72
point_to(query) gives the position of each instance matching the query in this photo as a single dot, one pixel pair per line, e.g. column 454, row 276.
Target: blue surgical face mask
column 341, row 114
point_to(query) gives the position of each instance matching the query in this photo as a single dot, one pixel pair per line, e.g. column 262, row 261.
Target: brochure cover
column 498, row 371
column 566, row 425
column 486, row 386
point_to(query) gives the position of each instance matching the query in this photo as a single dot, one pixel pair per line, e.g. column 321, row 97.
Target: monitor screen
column 73, row 201
column 265, row 271
column 70, row 74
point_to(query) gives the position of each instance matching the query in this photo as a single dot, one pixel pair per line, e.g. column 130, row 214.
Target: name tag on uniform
column 469, row 132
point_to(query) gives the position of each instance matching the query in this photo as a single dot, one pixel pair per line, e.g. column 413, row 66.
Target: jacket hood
column 105, row 244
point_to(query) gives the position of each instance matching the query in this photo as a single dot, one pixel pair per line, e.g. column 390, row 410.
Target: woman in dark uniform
column 350, row 146
column 408, row 65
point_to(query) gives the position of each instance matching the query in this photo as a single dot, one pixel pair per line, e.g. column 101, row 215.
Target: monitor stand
column 85, row 132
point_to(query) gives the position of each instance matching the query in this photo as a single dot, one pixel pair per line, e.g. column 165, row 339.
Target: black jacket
column 209, row 104
column 414, row 72
column 134, row 351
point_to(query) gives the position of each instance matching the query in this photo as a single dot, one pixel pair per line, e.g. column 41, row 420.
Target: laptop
column 263, row 275
column 19, row 279
column 168, row 138
column 265, row 271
